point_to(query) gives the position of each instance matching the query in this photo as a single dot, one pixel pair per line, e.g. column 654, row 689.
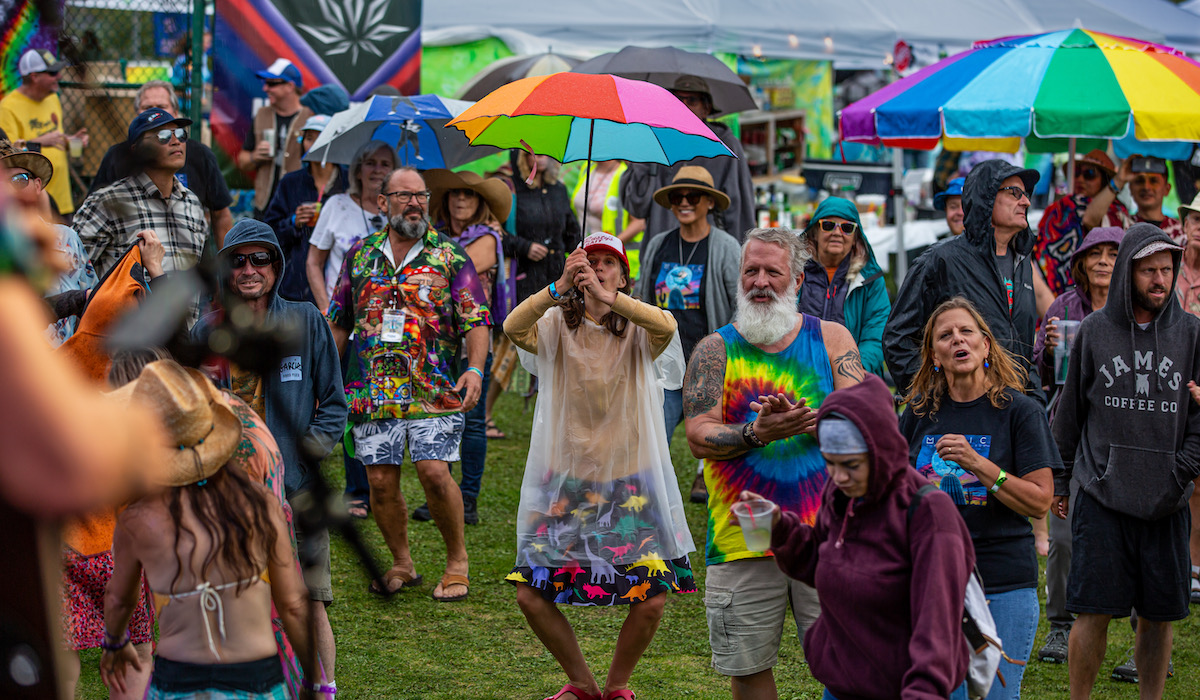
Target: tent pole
column 1070, row 166
column 899, row 205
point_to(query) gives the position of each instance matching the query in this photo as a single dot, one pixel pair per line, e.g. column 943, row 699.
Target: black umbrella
column 506, row 70
column 663, row 66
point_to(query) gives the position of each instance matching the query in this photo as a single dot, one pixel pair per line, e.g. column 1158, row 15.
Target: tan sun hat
column 692, row 177
column 1185, row 208
column 493, row 190
column 202, row 431
column 35, row 163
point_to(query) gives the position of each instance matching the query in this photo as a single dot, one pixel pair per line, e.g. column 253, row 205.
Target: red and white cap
column 607, row 243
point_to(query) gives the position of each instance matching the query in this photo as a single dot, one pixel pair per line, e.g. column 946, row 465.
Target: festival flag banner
column 21, row 29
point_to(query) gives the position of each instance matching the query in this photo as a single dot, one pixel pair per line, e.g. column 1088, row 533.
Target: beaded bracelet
column 114, row 647
column 476, row 370
column 750, row 437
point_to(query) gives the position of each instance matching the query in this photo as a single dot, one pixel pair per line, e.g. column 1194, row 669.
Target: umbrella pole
column 1070, row 166
column 587, row 177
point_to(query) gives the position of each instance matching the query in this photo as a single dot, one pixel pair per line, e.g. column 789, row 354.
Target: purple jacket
column 891, row 591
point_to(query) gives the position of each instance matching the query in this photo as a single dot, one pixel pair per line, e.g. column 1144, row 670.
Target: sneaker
column 422, row 514
column 699, row 490
column 470, row 510
column 1195, row 590
column 1128, row 672
column 1055, row 649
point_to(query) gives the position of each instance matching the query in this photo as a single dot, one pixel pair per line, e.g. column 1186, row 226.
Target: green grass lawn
column 414, row 647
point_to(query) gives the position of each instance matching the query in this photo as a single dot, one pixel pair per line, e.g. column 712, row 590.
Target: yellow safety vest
column 613, row 209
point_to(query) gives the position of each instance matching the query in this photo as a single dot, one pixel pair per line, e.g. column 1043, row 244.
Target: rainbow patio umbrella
column 573, row 116
column 1047, row 90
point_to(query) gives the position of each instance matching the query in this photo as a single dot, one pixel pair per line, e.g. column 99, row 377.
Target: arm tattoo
column 726, row 441
column 704, row 383
column 850, row 366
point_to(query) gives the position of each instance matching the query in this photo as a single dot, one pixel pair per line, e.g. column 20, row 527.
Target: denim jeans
column 1016, row 614
column 672, row 410
column 828, row 695
column 357, row 486
column 474, row 438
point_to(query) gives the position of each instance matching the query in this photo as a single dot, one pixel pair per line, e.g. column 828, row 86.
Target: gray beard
column 408, row 230
column 764, row 324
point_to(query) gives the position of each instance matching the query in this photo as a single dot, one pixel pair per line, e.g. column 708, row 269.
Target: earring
column 937, row 369
column 986, row 364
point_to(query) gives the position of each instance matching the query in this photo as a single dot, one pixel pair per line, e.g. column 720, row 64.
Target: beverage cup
column 76, row 146
column 269, row 137
column 316, row 213
column 756, row 518
column 1067, row 330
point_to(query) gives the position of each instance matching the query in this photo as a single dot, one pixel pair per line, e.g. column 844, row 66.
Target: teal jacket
column 867, row 305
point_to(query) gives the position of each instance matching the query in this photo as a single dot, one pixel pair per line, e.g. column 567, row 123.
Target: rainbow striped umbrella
column 1044, row 90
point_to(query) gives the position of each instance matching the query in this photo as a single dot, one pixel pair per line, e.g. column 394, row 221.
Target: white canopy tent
column 854, row 33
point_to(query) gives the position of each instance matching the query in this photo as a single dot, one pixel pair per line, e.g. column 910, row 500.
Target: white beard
column 764, row 324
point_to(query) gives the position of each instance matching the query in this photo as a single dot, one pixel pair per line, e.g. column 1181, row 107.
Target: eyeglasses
column 847, row 227
column 1016, row 192
column 21, row 180
column 675, row 197
column 164, row 135
column 1088, row 174
column 404, row 196
column 257, row 259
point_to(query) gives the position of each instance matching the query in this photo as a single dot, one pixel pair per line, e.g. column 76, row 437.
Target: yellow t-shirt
column 22, row 118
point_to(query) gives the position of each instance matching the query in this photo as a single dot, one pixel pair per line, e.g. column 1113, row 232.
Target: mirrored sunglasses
column 257, row 259
column 21, row 180
column 164, row 135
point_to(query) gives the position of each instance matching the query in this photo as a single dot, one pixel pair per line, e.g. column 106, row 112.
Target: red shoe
column 622, row 694
column 568, row 688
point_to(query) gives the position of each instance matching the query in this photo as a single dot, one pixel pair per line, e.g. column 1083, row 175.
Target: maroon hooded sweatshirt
column 891, row 591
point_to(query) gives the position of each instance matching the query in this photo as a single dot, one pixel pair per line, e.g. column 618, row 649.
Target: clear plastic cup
column 756, row 518
column 75, row 146
column 1067, row 330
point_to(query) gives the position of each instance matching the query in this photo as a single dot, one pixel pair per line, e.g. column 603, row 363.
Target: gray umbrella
column 664, row 66
column 513, row 68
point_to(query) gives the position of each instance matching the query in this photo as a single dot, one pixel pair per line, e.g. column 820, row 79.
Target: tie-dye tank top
column 789, row 472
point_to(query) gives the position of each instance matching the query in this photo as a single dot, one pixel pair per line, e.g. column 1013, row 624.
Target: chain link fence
column 114, row 47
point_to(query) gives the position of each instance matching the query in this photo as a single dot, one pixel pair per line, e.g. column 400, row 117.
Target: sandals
column 622, row 694
column 451, row 580
column 358, row 509
column 493, row 432
column 413, row 582
column 568, row 688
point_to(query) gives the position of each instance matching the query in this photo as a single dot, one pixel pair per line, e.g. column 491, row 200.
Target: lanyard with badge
column 391, row 367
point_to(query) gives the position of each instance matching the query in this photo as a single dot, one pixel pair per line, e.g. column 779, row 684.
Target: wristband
column 1003, row 477
column 477, row 371
column 1112, row 185
column 553, row 292
column 750, row 437
column 114, row 647
column 326, row 688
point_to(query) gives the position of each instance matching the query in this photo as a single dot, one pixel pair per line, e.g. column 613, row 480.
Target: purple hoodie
column 891, row 594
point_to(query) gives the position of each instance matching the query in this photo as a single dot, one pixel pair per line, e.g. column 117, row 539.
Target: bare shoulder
column 844, row 357
column 703, row 385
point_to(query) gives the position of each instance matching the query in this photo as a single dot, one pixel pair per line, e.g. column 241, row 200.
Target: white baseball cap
column 606, row 242
column 39, row 61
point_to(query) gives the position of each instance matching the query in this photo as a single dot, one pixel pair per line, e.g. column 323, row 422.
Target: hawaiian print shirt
column 439, row 299
column 1060, row 232
column 1187, row 288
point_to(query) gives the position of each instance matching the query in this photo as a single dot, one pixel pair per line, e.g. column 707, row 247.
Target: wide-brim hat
column 692, row 177
column 1098, row 236
column 1094, row 157
column 35, row 163
column 202, row 431
column 493, row 190
column 1185, row 208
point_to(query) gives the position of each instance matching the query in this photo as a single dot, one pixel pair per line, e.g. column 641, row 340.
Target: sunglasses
column 1088, row 174
column 847, row 227
column 164, row 135
column 1016, row 191
column 21, row 180
column 257, row 259
column 675, row 197
column 275, row 83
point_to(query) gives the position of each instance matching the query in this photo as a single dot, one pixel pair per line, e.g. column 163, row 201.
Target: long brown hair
column 928, row 386
column 233, row 511
column 573, row 310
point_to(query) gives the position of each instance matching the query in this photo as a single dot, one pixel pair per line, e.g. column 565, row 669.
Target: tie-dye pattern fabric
column 789, row 472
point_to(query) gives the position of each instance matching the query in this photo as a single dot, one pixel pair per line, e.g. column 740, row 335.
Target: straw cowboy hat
column 692, row 177
column 35, row 163
column 492, row 189
column 202, row 431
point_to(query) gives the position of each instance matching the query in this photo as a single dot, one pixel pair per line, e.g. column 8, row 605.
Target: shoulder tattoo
column 849, row 365
column 704, row 382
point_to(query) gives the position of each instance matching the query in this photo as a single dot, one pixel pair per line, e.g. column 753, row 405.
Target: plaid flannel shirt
column 110, row 217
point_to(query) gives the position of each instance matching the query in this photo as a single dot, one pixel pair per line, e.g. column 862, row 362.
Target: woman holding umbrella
column 601, row 520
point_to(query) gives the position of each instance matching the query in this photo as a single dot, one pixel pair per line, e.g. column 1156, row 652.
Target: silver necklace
column 695, row 245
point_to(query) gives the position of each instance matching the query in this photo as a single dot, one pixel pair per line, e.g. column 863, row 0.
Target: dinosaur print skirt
column 593, row 549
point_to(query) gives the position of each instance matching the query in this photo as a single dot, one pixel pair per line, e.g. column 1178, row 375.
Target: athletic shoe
column 1055, row 649
column 1128, row 672
column 1195, row 590
column 422, row 514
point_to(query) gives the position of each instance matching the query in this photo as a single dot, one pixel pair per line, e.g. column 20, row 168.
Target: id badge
column 393, row 326
column 392, row 379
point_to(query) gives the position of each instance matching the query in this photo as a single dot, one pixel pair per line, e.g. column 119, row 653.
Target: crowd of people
column 383, row 307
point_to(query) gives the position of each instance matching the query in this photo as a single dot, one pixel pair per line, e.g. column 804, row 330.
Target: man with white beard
column 750, row 397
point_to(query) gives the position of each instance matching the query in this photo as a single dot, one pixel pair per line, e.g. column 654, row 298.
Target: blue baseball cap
column 153, row 119
column 953, row 189
column 282, row 69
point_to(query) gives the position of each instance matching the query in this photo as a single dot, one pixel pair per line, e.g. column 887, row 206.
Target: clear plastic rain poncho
column 599, row 489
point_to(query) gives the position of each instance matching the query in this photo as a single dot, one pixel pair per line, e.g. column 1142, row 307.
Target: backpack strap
column 916, row 501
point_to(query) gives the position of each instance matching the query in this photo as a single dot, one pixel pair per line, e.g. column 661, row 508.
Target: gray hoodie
column 1127, row 429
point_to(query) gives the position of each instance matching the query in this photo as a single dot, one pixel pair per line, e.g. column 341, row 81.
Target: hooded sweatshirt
column 857, row 296
column 1128, row 431
column 891, row 590
column 304, row 398
column 966, row 266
